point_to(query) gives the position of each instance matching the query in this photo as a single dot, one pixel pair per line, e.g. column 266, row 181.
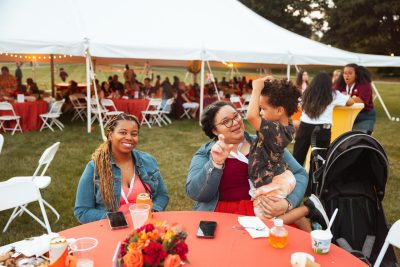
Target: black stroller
column 352, row 177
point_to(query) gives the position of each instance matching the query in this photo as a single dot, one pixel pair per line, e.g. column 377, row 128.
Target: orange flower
column 133, row 258
column 172, row 260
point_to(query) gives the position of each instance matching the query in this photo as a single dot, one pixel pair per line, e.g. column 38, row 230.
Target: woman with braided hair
column 117, row 173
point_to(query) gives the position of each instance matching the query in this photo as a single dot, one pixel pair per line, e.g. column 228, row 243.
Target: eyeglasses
column 229, row 122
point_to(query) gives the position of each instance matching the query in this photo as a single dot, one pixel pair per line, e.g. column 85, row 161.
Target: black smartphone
column 206, row 229
column 117, row 220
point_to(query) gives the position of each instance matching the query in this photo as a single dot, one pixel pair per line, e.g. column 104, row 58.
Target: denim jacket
column 203, row 180
column 89, row 205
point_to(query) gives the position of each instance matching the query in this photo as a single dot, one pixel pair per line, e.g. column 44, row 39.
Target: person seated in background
column 63, row 74
column 21, row 88
column 105, row 91
column 223, row 82
column 184, row 101
column 116, row 85
column 302, row 80
column 8, row 83
column 32, row 87
column 117, row 173
column 147, row 91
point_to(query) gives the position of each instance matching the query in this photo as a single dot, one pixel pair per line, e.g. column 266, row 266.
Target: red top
column 364, row 92
column 137, row 189
column 234, row 183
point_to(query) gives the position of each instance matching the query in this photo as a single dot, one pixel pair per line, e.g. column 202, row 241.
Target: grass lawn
column 173, row 147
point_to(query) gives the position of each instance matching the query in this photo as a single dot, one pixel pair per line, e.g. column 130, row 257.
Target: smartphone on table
column 117, row 220
column 206, row 229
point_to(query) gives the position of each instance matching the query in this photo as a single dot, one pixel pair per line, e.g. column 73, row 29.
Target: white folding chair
column 1, row 142
column 392, row 238
column 40, row 180
column 17, row 194
column 112, row 111
column 189, row 106
column 165, row 110
column 6, row 118
column 52, row 116
column 150, row 115
column 79, row 108
column 95, row 111
column 235, row 100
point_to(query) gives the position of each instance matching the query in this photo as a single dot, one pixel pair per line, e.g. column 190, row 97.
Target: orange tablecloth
column 132, row 106
column 29, row 112
column 230, row 247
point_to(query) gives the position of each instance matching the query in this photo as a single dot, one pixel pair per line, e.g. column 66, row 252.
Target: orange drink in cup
column 144, row 198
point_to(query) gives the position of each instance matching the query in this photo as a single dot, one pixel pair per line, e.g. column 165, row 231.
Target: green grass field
column 173, row 147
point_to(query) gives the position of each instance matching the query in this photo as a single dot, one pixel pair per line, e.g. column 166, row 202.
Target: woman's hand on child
column 271, row 206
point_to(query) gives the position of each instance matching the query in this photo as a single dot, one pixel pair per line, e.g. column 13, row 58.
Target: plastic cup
column 321, row 241
column 139, row 214
column 83, row 249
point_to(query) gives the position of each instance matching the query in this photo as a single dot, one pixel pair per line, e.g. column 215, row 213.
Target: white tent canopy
column 206, row 30
column 223, row 30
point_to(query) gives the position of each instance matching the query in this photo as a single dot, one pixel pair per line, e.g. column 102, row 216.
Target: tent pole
column 52, row 74
column 213, row 80
column 288, row 72
column 381, row 100
column 201, row 89
column 88, row 98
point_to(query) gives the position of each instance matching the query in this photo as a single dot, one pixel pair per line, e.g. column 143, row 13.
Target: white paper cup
column 139, row 214
column 299, row 259
column 321, row 241
column 83, row 249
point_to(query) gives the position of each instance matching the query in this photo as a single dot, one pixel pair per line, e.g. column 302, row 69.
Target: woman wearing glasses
column 218, row 174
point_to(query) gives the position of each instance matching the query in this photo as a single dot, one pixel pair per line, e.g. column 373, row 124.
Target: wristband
column 289, row 205
column 218, row 164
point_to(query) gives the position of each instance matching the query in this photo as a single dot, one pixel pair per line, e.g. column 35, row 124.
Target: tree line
column 364, row 26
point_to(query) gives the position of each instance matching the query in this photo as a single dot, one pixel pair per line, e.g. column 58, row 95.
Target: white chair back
column 56, row 107
column 14, row 193
column 7, row 106
column 167, row 106
column 17, row 194
column 154, row 104
column 46, row 158
column 108, row 103
column 392, row 238
column 1, row 142
column 236, row 99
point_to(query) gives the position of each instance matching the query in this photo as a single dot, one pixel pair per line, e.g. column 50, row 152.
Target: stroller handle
column 314, row 135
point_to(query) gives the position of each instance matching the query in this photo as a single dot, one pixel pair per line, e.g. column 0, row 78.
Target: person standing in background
column 18, row 74
column 302, row 80
column 63, row 74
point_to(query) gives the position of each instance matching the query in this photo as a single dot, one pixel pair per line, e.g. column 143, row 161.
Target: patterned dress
column 266, row 153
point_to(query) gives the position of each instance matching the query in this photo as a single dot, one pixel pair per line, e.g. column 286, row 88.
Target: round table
column 29, row 112
column 132, row 106
column 230, row 247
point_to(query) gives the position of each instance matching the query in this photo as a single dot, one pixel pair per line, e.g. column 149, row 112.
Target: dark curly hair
column 208, row 117
column 362, row 76
column 282, row 93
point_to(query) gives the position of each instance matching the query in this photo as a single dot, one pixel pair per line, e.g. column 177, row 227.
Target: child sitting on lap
column 271, row 105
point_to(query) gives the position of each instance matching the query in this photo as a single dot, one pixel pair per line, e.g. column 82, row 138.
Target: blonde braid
column 101, row 158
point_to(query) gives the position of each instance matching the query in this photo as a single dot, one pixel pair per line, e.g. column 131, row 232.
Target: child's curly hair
column 282, row 93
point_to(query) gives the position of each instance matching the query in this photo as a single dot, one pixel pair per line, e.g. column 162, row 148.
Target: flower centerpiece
column 155, row 244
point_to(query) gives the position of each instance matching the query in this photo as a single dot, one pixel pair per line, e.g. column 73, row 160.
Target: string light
column 392, row 54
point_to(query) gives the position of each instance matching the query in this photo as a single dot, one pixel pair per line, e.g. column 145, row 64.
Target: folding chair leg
column 167, row 119
column 52, row 209
column 12, row 217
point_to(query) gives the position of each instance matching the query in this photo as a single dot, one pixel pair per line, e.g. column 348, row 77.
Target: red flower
column 154, row 254
column 146, row 227
column 182, row 249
